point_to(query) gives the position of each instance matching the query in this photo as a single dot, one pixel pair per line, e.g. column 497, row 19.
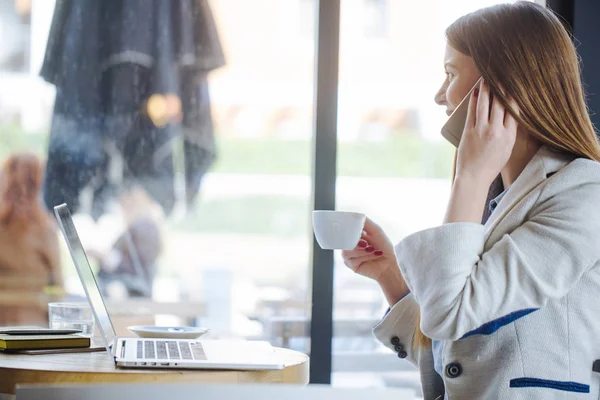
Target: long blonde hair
column 525, row 49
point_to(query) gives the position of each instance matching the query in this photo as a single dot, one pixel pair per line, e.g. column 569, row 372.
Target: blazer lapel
column 543, row 163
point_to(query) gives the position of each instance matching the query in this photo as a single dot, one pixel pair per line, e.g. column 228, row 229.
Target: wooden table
column 82, row 368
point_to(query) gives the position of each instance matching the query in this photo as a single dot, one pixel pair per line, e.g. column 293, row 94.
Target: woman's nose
column 440, row 96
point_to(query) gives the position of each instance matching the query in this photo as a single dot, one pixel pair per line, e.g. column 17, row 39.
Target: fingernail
column 378, row 253
column 362, row 244
column 476, row 92
column 370, row 249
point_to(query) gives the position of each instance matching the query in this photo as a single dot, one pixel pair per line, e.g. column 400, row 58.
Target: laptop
column 161, row 353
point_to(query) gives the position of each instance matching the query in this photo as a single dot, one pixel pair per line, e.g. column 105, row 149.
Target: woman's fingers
column 472, row 110
column 497, row 113
column 373, row 235
column 508, row 121
column 363, row 247
column 355, row 263
column 483, row 104
column 371, row 228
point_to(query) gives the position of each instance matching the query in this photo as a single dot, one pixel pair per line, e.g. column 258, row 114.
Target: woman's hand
column 488, row 138
column 374, row 257
column 374, row 253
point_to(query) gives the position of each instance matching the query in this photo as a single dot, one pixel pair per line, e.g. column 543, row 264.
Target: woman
column 501, row 300
column 29, row 252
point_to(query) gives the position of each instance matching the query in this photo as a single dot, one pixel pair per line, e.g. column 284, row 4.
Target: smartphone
column 38, row 331
column 453, row 128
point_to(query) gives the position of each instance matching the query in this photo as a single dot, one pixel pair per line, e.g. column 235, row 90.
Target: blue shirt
column 437, row 346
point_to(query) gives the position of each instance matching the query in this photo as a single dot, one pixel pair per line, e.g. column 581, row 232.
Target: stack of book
column 32, row 338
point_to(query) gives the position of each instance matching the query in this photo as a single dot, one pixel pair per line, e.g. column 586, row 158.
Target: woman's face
column 461, row 75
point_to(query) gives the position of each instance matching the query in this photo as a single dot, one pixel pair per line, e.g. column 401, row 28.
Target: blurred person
column 500, row 301
column 130, row 265
column 131, row 261
column 29, row 250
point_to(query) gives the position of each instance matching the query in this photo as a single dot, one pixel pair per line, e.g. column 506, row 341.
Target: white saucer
column 170, row 332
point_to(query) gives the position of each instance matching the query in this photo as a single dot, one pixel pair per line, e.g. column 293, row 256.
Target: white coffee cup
column 338, row 230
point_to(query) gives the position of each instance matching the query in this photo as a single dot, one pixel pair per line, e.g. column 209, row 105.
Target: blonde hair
column 525, row 49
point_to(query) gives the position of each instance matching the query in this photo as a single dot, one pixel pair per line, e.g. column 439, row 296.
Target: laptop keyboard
column 169, row 350
column 149, row 349
column 186, row 353
column 173, row 351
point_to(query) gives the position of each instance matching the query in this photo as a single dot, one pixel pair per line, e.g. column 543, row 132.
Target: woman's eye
column 449, row 76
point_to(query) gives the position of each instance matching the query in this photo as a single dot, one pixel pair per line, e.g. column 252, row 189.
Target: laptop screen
column 86, row 275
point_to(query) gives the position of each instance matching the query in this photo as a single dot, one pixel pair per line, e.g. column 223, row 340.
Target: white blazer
column 517, row 300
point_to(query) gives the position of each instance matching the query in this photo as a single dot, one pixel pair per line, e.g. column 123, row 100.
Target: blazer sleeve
column 461, row 289
column 400, row 322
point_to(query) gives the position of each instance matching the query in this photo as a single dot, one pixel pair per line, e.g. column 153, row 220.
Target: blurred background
column 180, row 134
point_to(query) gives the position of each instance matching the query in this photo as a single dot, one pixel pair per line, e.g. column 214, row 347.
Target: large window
column 179, row 135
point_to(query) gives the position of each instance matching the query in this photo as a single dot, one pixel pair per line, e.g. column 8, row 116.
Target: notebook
column 28, row 342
